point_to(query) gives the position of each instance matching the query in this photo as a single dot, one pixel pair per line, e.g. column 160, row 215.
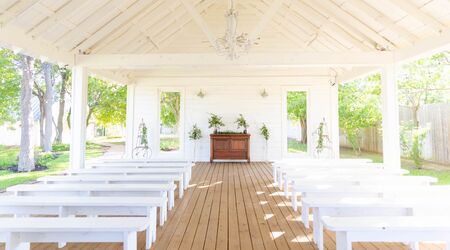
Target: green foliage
column 320, row 138
column 242, row 123
column 195, row 133
column 264, row 131
column 411, row 141
column 359, row 108
column 9, row 87
column 8, row 156
column 215, row 122
column 107, row 102
column 44, row 158
column 232, row 132
column 425, row 81
column 296, row 105
column 169, row 144
column 295, row 146
column 144, row 135
column 170, row 109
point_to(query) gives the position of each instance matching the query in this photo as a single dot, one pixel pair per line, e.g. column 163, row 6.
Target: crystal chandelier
column 231, row 44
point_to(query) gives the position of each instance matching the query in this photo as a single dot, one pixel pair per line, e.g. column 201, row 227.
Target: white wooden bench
column 362, row 191
column 175, row 165
column 359, row 206
column 278, row 166
column 293, row 178
column 388, row 229
column 91, row 206
column 123, row 190
column 116, row 179
column 18, row 233
column 132, row 171
column 357, row 168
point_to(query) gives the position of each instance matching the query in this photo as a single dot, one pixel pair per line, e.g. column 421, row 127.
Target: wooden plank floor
column 233, row 206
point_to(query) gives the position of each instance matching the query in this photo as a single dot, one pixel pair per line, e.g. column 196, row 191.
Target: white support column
column 78, row 117
column 334, row 128
column 130, row 120
column 391, row 127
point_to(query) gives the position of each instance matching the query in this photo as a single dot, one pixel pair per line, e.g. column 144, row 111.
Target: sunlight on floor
column 210, row 185
column 268, row 216
column 276, row 234
column 301, row 238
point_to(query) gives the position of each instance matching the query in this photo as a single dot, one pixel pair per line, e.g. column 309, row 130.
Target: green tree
column 359, row 108
column 10, row 80
column 296, row 108
column 107, row 102
column 170, row 109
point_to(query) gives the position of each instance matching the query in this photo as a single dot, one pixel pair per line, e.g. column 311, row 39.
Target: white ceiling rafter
column 328, row 26
column 267, row 17
column 142, row 26
column 15, row 11
column 198, row 19
column 350, row 22
column 103, row 15
column 410, row 8
column 183, row 21
column 124, row 16
column 383, row 20
column 131, row 29
column 58, row 16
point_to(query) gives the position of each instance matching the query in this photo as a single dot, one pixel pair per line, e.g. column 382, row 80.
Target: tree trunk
column 415, row 114
column 304, row 138
column 62, row 103
column 41, row 120
column 26, row 155
column 48, row 104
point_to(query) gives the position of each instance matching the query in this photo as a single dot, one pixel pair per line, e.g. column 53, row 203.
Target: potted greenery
column 322, row 138
column 215, row 122
column 242, row 123
column 264, row 131
column 195, row 134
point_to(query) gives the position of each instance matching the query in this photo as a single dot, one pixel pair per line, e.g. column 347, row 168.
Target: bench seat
column 388, row 229
column 18, row 233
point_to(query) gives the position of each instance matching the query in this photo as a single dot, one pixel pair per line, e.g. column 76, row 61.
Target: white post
column 130, row 120
column 334, row 124
column 391, row 127
column 78, row 116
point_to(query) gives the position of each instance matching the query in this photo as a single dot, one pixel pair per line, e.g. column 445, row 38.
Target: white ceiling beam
column 333, row 10
column 15, row 11
column 382, row 19
column 111, row 26
column 267, row 17
column 408, row 7
column 54, row 19
column 98, row 18
column 198, row 19
column 34, row 46
column 355, row 73
column 112, row 76
column 258, row 60
column 425, row 47
column 329, row 27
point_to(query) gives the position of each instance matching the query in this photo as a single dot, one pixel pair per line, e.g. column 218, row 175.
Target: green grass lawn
column 169, row 144
column 429, row 169
column 295, row 146
column 8, row 157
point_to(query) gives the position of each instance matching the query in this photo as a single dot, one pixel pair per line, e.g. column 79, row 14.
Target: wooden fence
column 436, row 147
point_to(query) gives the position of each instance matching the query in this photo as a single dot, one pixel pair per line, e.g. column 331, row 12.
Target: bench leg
column 305, row 215
column 181, row 188
column 285, row 188
column 154, row 218
column 414, row 245
column 294, row 199
column 13, row 243
column 129, row 241
column 274, row 173
column 62, row 213
column 447, row 247
column 280, row 180
column 342, row 242
column 171, row 199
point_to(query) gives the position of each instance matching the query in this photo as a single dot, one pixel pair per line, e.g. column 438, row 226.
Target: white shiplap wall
column 229, row 97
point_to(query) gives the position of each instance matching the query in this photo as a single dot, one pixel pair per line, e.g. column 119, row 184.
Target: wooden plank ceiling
column 168, row 26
